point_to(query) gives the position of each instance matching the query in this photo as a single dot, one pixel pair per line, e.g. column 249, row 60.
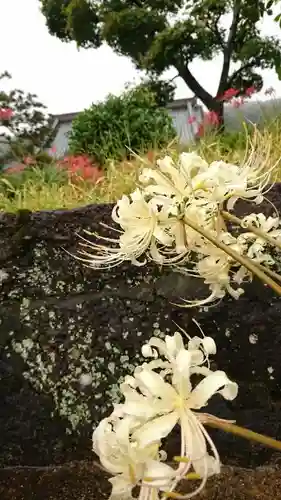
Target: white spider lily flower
column 143, row 223
column 266, row 224
column 172, row 180
column 227, row 182
column 257, row 246
column 167, row 398
column 218, row 269
column 130, row 464
column 192, row 177
column 200, row 348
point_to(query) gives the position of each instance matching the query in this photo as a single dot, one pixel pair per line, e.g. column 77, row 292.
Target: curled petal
column 209, row 386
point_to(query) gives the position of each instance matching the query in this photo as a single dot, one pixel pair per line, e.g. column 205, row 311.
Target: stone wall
column 63, row 324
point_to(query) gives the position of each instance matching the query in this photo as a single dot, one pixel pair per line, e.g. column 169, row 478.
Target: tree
column 163, row 91
column 160, row 34
column 25, row 124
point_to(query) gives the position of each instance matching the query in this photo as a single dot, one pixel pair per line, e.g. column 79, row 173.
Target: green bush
column 120, row 125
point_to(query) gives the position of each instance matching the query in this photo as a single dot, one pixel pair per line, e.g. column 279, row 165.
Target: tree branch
column 248, row 65
column 195, row 86
column 216, row 31
column 229, row 46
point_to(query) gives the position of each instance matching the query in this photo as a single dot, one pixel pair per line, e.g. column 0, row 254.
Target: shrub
column 121, row 124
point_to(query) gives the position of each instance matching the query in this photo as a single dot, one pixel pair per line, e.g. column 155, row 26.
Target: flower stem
column 242, row 432
column 244, row 261
column 253, row 229
column 271, row 273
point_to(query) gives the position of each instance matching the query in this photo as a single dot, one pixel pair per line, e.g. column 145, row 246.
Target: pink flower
column 211, row 118
column 80, row 167
column 15, row 170
column 28, row 160
column 6, row 114
column 250, row 91
column 230, row 93
column 236, row 103
column 191, row 119
column 201, row 130
column 53, row 149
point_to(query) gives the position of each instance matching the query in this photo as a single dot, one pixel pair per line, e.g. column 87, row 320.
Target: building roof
column 176, row 104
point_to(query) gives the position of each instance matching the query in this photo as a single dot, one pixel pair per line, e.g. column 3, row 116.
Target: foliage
column 121, row 124
column 38, row 193
column 163, row 91
column 158, row 34
column 26, row 125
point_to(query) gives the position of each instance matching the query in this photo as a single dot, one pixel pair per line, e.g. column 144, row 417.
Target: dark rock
column 84, row 480
column 61, row 320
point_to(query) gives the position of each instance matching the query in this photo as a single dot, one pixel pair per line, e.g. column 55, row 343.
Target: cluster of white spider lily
column 159, row 222
column 160, row 395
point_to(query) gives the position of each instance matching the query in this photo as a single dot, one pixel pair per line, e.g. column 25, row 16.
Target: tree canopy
column 24, row 121
column 160, row 34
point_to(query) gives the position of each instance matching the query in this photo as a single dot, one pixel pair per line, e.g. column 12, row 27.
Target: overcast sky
column 66, row 79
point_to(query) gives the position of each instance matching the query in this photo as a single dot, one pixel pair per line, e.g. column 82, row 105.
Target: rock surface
column 83, row 481
column 63, row 324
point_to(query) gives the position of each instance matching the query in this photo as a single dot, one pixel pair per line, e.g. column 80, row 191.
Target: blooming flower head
column 236, row 103
column 159, row 395
column 163, row 219
column 6, row 114
column 230, row 93
column 211, row 118
column 250, row 91
column 122, row 457
column 191, row 119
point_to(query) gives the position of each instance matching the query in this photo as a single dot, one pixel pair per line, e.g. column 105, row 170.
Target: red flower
column 80, row 167
column 151, row 156
column 230, row 93
column 201, row 130
column 14, row 170
column 191, row 119
column 6, row 114
column 236, row 103
column 211, row 118
column 28, row 160
column 250, row 91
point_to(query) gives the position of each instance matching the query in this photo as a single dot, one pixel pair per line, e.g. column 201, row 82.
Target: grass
column 47, row 189
column 36, row 193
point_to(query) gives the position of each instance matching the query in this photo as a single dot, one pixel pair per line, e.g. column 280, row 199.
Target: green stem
column 244, row 433
column 244, row 261
column 253, row 229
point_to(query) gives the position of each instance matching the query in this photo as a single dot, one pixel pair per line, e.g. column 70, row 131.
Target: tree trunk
column 218, row 108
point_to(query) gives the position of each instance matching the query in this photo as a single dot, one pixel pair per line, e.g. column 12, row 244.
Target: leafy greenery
column 160, row 34
column 120, row 125
column 27, row 129
column 163, row 91
column 48, row 188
